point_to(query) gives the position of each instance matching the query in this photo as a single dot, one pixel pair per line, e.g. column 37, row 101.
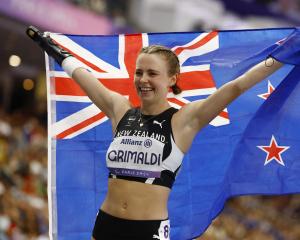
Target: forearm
column 113, row 104
column 257, row 73
column 95, row 90
column 203, row 112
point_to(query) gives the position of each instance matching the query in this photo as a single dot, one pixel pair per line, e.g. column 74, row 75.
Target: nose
column 144, row 78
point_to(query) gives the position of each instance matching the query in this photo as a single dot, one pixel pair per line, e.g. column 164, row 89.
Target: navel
column 124, row 205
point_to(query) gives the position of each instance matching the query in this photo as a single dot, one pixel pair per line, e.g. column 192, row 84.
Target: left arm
column 194, row 116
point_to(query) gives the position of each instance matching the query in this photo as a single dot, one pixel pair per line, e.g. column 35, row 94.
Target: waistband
column 107, row 216
column 115, row 228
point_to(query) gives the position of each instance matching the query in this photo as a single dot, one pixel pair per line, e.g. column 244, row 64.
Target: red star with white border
column 274, row 151
column 267, row 94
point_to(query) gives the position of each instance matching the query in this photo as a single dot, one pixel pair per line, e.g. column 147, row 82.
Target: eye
column 152, row 74
column 138, row 73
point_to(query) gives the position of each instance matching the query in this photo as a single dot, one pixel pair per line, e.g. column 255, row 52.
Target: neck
column 154, row 109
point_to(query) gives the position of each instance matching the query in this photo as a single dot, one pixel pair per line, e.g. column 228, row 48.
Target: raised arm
column 111, row 103
column 194, row 116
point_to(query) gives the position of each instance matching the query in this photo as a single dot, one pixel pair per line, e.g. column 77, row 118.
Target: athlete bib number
column 164, row 230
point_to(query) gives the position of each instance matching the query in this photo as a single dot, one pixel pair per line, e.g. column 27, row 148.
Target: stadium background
column 23, row 110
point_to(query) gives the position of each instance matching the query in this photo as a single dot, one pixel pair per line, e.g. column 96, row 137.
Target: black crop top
column 143, row 149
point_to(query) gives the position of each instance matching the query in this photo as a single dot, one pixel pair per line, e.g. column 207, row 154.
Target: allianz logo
column 128, row 141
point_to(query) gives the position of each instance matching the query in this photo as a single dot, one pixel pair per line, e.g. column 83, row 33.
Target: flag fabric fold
column 288, row 50
column 252, row 147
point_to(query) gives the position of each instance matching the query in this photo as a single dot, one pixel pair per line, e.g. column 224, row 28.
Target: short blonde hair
column 172, row 59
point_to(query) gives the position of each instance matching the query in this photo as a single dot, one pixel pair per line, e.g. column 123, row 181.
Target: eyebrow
column 148, row 70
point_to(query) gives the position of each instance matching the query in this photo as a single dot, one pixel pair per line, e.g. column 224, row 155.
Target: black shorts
column 108, row 227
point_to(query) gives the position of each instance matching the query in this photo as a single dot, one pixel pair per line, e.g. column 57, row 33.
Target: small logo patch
column 159, row 123
column 148, row 143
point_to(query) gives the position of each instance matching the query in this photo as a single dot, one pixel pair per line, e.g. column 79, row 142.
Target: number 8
column 166, row 231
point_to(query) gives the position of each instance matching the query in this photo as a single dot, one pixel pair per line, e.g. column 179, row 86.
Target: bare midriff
column 135, row 200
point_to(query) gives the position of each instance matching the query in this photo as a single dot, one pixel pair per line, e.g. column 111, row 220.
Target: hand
column 47, row 44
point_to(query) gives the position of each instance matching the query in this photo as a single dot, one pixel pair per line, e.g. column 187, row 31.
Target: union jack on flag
column 116, row 71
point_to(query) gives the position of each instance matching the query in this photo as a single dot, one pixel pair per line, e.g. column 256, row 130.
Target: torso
column 130, row 197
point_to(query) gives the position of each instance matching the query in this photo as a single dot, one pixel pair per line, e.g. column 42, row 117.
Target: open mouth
column 145, row 89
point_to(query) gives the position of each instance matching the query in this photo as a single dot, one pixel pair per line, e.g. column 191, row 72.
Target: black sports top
column 143, row 149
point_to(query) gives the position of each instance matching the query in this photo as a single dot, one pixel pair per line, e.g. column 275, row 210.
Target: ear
column 173, row 79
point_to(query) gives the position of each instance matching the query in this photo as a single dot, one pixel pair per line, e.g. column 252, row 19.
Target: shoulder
column 184, row 127
column 184, row 115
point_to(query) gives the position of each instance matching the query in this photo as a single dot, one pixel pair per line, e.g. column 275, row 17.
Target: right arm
column 113, row 104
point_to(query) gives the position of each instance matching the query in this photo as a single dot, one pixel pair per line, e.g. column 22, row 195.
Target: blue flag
column 251, row 147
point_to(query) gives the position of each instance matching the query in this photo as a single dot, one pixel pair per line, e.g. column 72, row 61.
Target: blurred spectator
column 23, row 178
column 261, row 217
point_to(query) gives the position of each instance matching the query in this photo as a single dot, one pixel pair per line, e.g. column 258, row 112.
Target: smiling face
column 152, row 78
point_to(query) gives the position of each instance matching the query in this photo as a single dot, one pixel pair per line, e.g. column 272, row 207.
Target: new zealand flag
column 252, row 147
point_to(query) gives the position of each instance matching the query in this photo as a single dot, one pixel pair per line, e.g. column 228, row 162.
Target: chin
column 146, row 99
